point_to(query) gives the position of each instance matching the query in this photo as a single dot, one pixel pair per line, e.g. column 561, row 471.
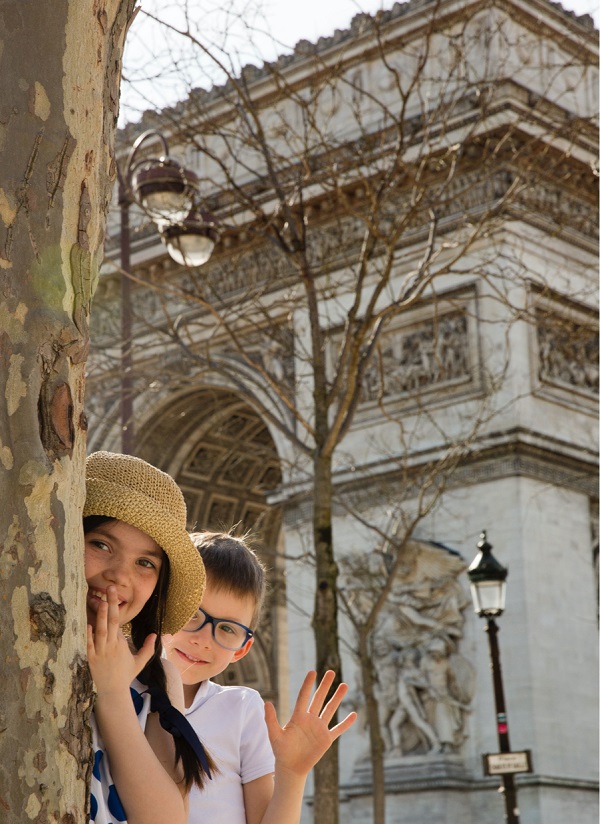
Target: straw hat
column 133, row 491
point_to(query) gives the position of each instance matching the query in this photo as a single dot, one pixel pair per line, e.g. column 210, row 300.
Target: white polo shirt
column 230, row 723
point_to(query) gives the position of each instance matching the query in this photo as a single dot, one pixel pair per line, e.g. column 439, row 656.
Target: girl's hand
column 307, row 737
column 112, row 664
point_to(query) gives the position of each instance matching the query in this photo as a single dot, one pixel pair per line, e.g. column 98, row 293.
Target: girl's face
column 124, row 556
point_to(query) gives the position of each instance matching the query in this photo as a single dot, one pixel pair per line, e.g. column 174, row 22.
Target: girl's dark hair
column 149, row 620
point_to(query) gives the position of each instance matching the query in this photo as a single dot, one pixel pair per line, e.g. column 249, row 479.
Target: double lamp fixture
column 167, row 192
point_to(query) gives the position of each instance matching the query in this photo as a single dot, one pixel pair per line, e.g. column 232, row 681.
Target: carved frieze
column 568, row 353
column 435, row 352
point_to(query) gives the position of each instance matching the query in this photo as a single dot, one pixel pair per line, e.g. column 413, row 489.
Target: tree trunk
column 60, row 68
column 375, row 739
column 325, row 625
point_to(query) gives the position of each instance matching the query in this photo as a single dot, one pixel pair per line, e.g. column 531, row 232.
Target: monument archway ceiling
column 222, row 455
column 224, row 459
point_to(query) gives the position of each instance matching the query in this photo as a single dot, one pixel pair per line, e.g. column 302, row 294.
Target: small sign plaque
column 505, row 763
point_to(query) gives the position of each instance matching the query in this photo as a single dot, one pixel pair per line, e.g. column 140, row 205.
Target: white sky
column 284, row 21
column 311, row 19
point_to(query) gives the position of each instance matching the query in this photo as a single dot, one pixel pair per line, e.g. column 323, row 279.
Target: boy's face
column 197, row 655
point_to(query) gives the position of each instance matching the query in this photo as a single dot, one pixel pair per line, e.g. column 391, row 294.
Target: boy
column 256, row 782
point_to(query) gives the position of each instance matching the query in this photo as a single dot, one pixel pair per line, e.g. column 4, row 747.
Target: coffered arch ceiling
column 224, row 459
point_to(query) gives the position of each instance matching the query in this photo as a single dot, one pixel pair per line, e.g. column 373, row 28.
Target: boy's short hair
column 233, row 566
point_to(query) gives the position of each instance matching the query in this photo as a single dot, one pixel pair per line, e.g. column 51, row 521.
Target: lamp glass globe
column 191, row 249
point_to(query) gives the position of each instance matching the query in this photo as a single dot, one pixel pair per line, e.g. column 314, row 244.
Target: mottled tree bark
column 325, row 626
column 60, row 68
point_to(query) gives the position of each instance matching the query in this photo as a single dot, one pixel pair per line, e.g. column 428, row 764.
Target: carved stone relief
column 436, row 352
column 568, row 353
column 425, row 684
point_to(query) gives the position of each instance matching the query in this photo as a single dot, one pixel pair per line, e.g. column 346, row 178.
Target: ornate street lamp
column 191, row 241
column 488, row 581
column 488, row 589
column 166, row 192
column 162, row 187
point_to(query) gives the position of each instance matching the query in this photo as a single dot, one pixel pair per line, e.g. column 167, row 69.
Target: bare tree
column 60, row 66
column 360, row 182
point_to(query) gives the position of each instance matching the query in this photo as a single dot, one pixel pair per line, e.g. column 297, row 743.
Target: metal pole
column 127, row 196
column 509, row 789
column 127, row 428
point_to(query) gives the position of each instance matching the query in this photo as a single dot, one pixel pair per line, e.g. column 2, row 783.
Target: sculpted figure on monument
column 425, row 684
column 450, row 685
column 403, row 707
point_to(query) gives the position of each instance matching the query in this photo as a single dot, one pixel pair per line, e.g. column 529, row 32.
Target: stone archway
column 223, row 457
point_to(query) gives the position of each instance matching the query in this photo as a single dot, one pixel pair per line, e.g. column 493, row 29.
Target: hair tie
column 177, row 724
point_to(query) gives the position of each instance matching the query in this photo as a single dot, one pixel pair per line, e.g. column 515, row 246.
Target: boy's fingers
column 304, row 693
column 271, row 721
column 320, row 695
column 336, row 731
column 315, row 705
column 332, row 706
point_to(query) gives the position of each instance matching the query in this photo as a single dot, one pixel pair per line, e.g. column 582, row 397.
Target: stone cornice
column 515, row 454
column 509, row 107
column 343, row 43
column 546, row 203
column 401, row 778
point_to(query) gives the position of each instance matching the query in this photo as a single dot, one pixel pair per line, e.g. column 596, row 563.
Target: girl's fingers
column 100, row 629
column 113, row 610
column 90, row 640
column 145, row 653
column 107, row 628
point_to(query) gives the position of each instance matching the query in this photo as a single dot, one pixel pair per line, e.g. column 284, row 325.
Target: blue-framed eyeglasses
column 227, row 634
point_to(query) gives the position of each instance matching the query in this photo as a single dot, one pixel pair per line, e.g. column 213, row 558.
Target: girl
column 144, row 576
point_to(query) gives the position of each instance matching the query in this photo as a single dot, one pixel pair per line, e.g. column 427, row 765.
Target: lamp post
column 166, row 192
column 488, row 590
